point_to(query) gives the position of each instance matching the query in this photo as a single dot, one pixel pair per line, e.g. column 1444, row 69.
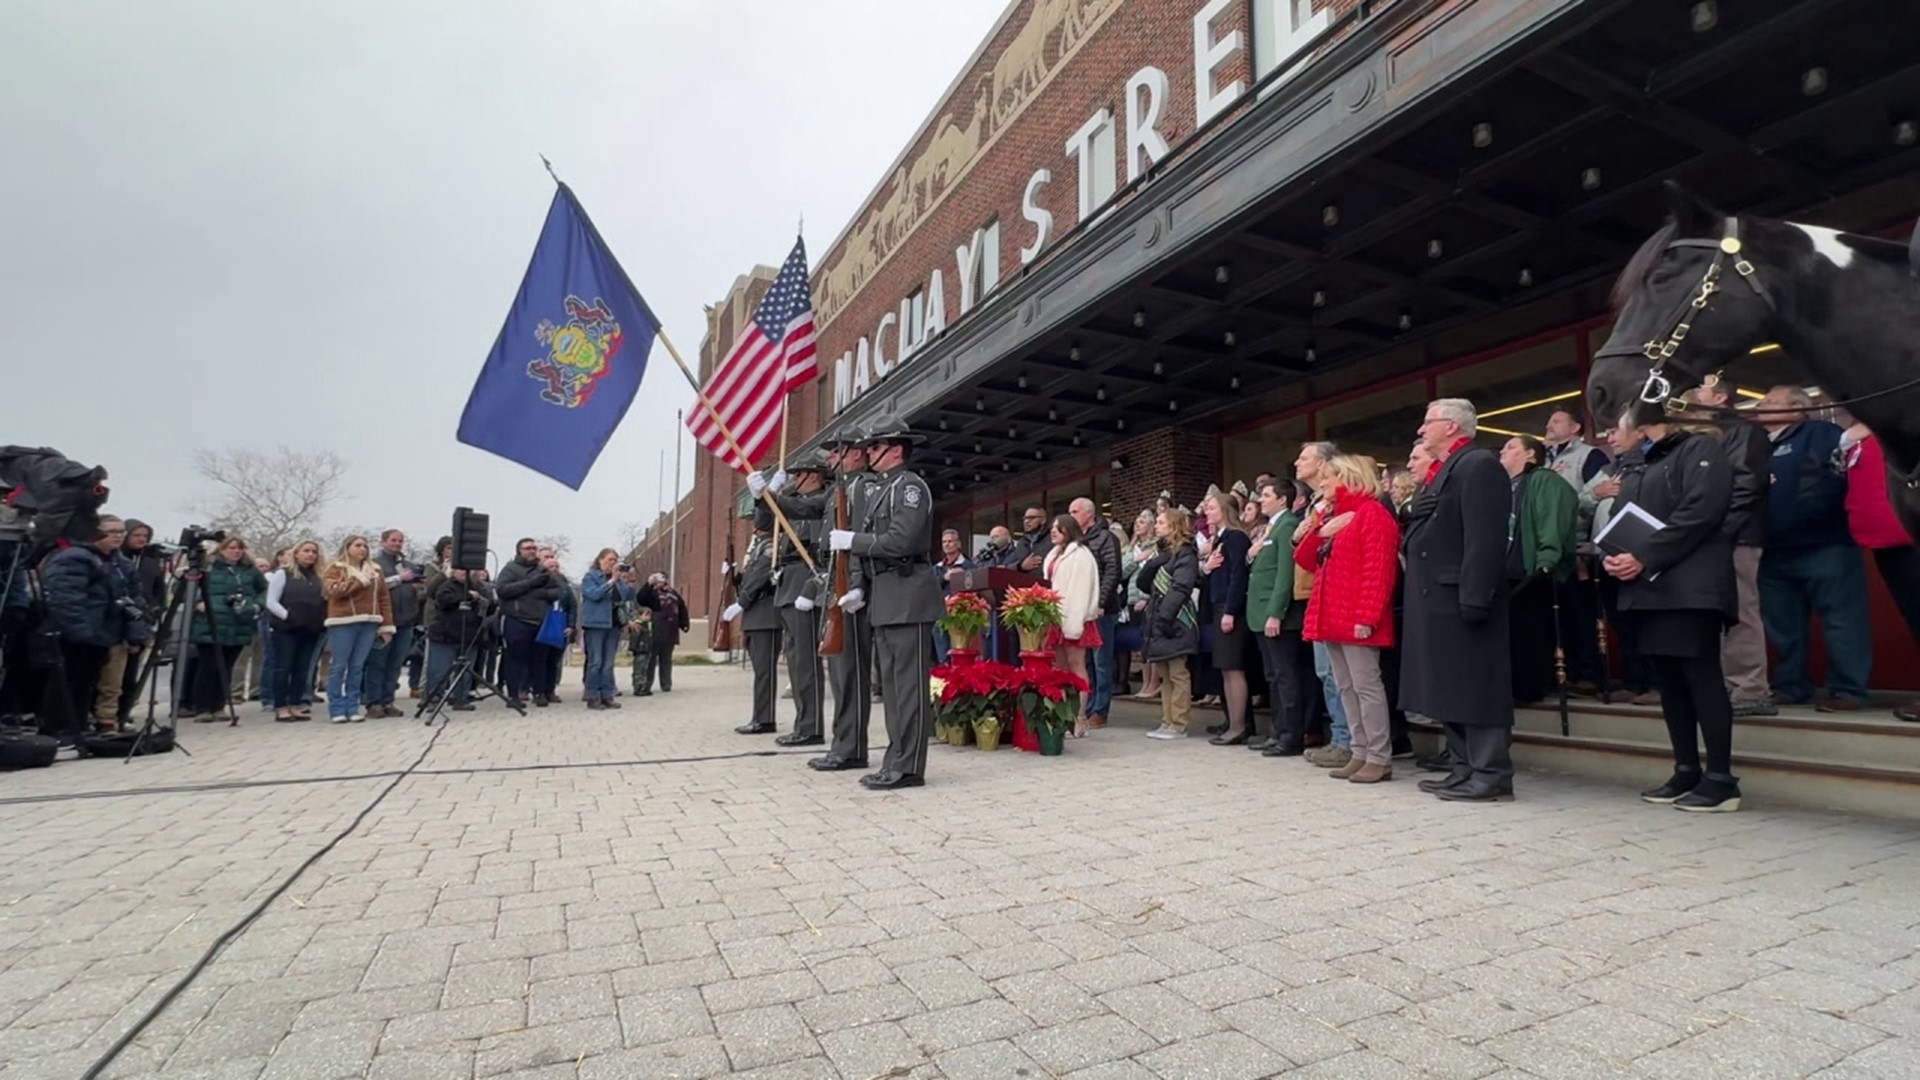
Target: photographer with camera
column 91, row 607
column 231, row 600
column 527, row 591
column 147, row 566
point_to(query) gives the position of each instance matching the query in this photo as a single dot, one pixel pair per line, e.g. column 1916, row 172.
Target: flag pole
column 733, row 444
column 773, row 550
column 673, row 533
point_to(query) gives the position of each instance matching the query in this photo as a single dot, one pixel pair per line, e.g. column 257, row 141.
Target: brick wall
column 1183, row 462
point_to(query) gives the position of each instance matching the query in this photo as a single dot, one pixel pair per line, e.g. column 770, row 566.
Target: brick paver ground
column 1136, row 909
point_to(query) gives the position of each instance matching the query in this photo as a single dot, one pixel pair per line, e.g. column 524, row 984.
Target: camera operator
column 526, row 590
column 91, row 607
column 147, row 562
column 231, row 599
column 460, row 603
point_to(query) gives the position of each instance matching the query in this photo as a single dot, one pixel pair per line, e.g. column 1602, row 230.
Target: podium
column 992, row 582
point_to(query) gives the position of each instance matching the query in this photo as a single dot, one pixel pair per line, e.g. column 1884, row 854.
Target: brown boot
column 1353, row 765
column 1370, row 773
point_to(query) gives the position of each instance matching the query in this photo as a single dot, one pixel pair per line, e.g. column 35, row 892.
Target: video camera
column 52, row 497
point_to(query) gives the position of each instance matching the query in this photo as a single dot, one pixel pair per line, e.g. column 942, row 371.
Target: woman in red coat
column 1354, row 563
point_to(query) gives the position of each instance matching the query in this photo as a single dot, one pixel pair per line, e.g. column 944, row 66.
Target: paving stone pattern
column 1136, row 909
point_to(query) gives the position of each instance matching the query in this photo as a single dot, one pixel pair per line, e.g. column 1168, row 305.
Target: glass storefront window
column 1268, row 449
column 1380, row 425
column 1516, row 393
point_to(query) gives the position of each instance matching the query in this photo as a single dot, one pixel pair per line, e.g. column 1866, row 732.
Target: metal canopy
column 1535, row 173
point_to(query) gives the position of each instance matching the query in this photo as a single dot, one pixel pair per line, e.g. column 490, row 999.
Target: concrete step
column 1800, row 759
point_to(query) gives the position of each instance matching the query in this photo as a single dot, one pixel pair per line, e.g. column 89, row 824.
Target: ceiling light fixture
column 1120, row 424
column 1039, row 456
column 1330, row 215
column 943, row 423
column 1229, row 339
column 1221, row 275
column 1906, row 133
column 1073, row 353
column 1021, row 382
column 949, row 460
column 1526, row 277
column 1172, row 405
column 1482, row 135
column 1233, row 383
column 976, row 446
column 1006, row 466
column 1406, row 318
column 976, row 478
column 1076, row 439
column 1100, row 393
column 1435, row 248
column 1052, row 414
column 1813, row 82
column 1159, row 368
column 1140, row 316
column 1590, row 177
column 1320, row 297
column 1013, row 433
column 979, row 404
column 1312, row 355
column 951, row 486
column 1705, row 16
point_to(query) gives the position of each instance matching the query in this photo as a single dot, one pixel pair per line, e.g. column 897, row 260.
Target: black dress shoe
column 797, row 739
column 1222, row 739
column 1284, row 748
column 540, row 700
column 836, row 763
column 890, row 781
column 1452, row 779
column 1262, row 744
column 1437, row 763
column 755, row 729
column 1476, row 790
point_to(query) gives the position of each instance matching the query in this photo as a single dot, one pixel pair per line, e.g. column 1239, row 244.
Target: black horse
column 1707, row 288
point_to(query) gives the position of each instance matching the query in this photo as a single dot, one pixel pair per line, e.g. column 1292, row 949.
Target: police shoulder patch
column 912, row 495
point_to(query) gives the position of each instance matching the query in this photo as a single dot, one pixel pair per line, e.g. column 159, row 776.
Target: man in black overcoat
column 1456, row 665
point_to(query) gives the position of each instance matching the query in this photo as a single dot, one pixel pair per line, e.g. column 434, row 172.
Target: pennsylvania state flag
column 570, row 357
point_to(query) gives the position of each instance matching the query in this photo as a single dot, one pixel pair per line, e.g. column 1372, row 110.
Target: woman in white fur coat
column 1071, row 571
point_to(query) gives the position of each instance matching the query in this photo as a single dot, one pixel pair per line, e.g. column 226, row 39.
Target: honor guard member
column 893, row 580
column 797, row 593
column 760, row 618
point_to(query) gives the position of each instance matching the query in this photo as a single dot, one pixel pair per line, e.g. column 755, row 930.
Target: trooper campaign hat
column 891, row 429
column 843, row 437
column 814, row 461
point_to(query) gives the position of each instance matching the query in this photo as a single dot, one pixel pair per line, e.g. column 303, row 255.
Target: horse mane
column 1641, row 265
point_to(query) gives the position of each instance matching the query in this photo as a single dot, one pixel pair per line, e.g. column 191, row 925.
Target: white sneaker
column 340, row 719
column 358, row 718
column 1163, row 732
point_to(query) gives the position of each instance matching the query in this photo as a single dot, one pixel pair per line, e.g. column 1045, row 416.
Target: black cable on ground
column 239, row 785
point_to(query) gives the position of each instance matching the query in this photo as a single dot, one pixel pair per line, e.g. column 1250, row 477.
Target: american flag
column 773, row 358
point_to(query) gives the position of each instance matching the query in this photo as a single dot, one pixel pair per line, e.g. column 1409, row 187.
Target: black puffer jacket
column 83, row 589
column 1106, row 554
column 1686, row 482
column 450, row 625
column 526, row 591
column 1172, row 626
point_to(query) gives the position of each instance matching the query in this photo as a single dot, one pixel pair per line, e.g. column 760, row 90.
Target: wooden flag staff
column 734, row 445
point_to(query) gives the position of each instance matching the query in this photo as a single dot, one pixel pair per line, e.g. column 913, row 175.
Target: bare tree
column 562, row 545
column 272, row 498
column 628, row 538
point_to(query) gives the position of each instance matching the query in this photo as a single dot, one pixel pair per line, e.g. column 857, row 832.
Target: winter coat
column 1456, row 662
column 1544, row 525
column 449, row 624
column 1353, row 582
column 1686, row 481
column 1870, row 515
column 149, row 571
column 1105, row 549
column 405, row 594
column 526, row 590
column 82, row 588
column 1172, row 624
column 1075, row 575
column 670, row 618
column 1270, row 578
column 1807, row 496
column 297, row 600
column 234, row 594
column 599, row 596
column 1749, row 453
column 357, row 595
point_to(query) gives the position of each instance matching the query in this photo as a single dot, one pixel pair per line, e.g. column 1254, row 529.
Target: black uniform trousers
column 802, row 632
column 851, row 674
column 763, row 652
column 906, row 658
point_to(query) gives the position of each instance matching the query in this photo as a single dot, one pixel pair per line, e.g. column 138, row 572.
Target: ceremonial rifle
column 833, row 640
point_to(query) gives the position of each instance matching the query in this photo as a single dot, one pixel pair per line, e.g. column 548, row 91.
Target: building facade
column 1147, row 245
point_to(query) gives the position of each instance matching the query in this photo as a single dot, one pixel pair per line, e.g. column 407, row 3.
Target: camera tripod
column 464, row 673
column 179, row 613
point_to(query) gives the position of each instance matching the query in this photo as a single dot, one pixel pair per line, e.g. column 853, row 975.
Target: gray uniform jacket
column 794, row 579
column 892, row 536
column 755, row 595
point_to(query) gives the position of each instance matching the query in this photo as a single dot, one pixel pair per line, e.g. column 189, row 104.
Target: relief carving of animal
column 1023, row 63
column 949, row 151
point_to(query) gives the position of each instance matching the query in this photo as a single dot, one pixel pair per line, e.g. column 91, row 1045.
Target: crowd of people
column 303, row 625
column 1442, row 588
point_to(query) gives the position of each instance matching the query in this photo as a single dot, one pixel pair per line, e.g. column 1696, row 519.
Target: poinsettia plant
column 1049, row 697
column 971, row 693
column 967, row 615
column 1032, row 610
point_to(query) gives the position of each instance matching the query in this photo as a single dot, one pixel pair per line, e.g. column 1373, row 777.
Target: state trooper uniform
column 760, row 619
column 798, row 595
column 894, row 582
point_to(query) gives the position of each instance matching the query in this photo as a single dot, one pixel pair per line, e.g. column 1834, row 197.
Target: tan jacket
column 357, row 595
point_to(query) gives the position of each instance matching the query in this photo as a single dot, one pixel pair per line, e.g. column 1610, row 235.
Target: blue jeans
column 1342, row 736
column 269, row 678
column 1100, row 699
column 289, row 656
column 942, row 646
column 441, row 657
column 385, row 665
column 350, row 645
column 602, row 642
column 1831, row 582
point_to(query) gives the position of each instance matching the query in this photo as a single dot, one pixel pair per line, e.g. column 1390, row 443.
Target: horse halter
column 1658, row 389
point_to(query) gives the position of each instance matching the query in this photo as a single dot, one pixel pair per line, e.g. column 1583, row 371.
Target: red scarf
column 1433, row 471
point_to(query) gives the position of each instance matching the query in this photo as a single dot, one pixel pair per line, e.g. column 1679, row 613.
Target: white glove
column 726, row 568
column 779, row 482
column 854, row 600
column 801, row 603
column 756, row 484
column 732, row 613
column 840, row 540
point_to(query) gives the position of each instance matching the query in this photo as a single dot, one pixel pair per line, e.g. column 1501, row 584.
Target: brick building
column 1155, row 244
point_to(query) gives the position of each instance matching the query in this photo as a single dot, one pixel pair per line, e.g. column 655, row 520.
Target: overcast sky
column 233, row 224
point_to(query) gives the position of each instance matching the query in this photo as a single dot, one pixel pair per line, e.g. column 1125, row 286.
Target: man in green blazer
column 1275, row 618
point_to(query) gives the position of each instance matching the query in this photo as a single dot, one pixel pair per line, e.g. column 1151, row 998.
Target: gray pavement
column 1134, row 909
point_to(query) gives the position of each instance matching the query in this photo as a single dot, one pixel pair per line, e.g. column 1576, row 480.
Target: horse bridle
column 1658, row 389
